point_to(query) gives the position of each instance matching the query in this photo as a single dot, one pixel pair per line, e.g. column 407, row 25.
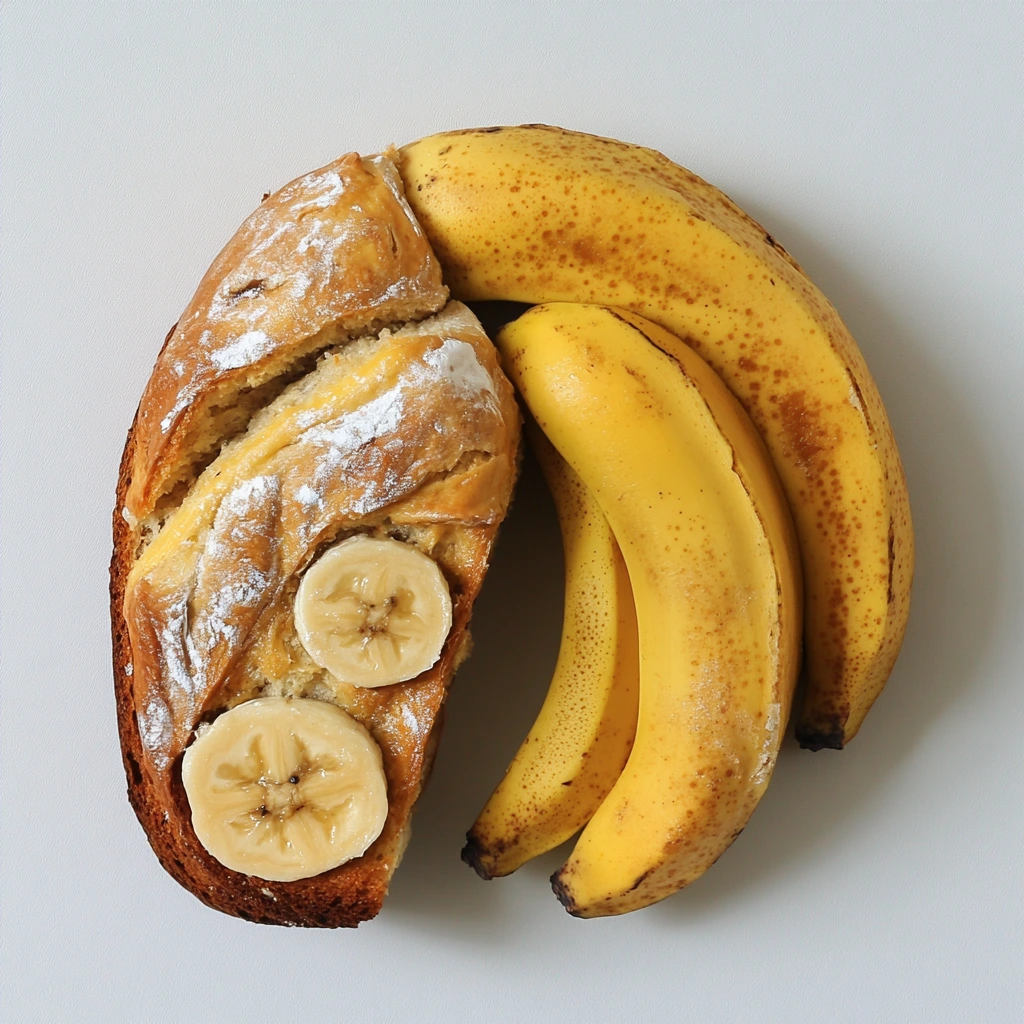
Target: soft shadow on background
column 813, row 796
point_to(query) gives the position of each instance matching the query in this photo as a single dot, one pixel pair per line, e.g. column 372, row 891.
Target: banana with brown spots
column 539, row 214
column 694, row 503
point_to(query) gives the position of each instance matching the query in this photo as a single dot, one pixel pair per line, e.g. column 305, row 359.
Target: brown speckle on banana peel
column 695, row 506
column 539, row 214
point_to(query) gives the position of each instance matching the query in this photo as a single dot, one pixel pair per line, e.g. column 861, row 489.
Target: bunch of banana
column 537, row 214
column 692, row 499
column 578, row 746
column 672, row 499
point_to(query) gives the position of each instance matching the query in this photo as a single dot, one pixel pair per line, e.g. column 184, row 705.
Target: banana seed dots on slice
column 373, row 611
column 285, row 789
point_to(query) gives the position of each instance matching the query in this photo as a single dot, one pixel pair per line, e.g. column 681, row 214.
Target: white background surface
column 882, row 146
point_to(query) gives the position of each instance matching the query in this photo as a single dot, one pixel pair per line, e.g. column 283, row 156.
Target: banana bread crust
column 353, row 892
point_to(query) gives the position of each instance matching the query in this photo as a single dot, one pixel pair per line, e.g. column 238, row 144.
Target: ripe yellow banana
column 539, row 214
column 579, row 743
column 695, row 505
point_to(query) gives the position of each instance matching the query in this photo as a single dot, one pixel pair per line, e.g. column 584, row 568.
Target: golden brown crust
column 333, row 254
column 454, row 507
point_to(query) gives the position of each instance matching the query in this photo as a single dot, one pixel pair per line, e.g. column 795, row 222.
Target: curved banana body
column 696, row 507
column 583, row 734
column 539, row 214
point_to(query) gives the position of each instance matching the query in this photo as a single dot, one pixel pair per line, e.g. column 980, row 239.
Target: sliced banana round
column 285, row 789
column 373, row 611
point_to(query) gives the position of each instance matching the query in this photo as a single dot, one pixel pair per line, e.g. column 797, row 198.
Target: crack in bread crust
column 336, row 254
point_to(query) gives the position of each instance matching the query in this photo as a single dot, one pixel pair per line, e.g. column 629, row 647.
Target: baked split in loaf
column 316, row 387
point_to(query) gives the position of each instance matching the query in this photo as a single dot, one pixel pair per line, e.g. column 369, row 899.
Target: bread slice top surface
column 332, row 255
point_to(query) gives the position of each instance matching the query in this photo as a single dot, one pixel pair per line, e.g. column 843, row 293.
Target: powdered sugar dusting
column 241, row 519
column 341, row 439
column 243, row 351
column 249, row 494
column 155, row 730
column 307, row 496
column 325, row 189
column 456, row 361
column 411, row 721
column 381, row 415
column 174, row 647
